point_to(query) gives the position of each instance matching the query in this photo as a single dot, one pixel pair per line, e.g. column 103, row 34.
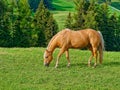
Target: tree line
column 20, row 27
column 91, row 14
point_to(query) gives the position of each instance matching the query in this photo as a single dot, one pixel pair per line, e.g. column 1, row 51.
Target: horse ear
column 46, row 50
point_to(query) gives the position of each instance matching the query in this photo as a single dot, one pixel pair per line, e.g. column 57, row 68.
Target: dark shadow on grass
column 112, row 64
column 85, row 65
column 73, row 65
column 79, row 65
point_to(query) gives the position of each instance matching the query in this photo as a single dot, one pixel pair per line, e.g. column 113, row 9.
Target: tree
column 112, row 26
column 85, row 16
column 117, row 33
column 25, row 21
column 34, row 4
column 69, row 21
column 51, row 28
column 4, row 25
column 105, row 25
column 79, row 20
column 91, row 14
column 19, row 16
column 45, row 24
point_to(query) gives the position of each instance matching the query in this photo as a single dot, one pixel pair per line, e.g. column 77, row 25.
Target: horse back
column 77, row 39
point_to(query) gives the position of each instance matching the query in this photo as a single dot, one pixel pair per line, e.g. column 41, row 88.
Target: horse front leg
column 58, row 57
column 90, row 59
column 67, row 56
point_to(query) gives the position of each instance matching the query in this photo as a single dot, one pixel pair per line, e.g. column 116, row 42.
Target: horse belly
column 78, row 43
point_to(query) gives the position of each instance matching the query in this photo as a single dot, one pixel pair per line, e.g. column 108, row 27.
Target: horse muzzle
column 46, row 64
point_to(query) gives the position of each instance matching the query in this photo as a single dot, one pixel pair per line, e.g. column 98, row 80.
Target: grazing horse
column 67, row 38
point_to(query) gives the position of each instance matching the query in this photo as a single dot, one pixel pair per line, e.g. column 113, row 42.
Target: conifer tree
column 25, row 20
column 4, row 25
column 85, row 17
column 78, row 17
column 69, row 21
column 93, row 15
column 112, row 23
column 21, row 23
column 51, row 28
column 45, row 24
column 104, row 25
column 40, row 22
column 89, row 16
column 117, row 34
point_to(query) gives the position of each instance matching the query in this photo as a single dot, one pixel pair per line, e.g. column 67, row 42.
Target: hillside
column 63, row 7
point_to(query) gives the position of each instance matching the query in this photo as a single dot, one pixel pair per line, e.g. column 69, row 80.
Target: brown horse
column 67, row 38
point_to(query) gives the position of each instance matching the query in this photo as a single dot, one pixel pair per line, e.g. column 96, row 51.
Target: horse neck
column 52, row 45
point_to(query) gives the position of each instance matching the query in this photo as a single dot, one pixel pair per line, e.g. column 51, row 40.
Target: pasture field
column 23, row 69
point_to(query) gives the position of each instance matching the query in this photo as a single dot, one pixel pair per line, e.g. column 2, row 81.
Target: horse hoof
column 89, row 65
column 68, row 66
column 56, row 66
column 94, row 67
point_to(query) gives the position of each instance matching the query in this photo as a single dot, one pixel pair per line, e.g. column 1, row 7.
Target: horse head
column 47, row 57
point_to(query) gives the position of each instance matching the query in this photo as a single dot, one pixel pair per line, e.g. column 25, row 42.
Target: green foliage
column 21, row 28
column 117, row 34
column 85, row 16
column 80, row 12
column 21, row 21
column 35, row 3
column 2, row 7
column 69, row 20
column 107, row 24
column 45, row 23
column 4, row 25
column 51, row 28
column 90, row 14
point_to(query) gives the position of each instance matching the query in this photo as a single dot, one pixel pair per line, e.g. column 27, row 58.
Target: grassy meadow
column 23, row 69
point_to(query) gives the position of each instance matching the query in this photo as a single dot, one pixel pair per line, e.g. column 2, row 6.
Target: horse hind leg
column 95, row 53
column 67, row 56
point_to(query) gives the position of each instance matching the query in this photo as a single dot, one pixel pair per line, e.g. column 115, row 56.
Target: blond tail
column 101, row 48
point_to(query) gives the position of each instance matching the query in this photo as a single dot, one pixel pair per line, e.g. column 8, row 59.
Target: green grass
column 63, row 5
column 23, row 69
column 60, row 17
column 62, row 8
